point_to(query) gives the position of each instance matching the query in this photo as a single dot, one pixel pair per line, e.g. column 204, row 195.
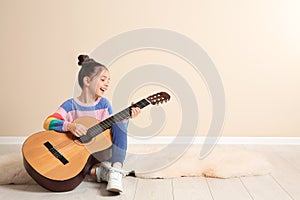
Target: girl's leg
column 113, row 173
column 119, row 140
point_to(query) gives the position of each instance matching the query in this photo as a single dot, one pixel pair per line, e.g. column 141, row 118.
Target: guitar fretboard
column 107, row 123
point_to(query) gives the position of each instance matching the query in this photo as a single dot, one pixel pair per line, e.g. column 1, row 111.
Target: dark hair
column 89, row 68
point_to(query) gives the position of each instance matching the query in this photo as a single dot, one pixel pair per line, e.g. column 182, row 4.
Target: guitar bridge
column 56, row 153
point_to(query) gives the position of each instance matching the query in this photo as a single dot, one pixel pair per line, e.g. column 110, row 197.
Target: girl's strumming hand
column 77, row 129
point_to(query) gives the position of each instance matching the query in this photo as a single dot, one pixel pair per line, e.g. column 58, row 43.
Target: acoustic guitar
column 59, row 161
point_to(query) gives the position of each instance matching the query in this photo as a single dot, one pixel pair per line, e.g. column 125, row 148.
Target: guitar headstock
column 159, row 98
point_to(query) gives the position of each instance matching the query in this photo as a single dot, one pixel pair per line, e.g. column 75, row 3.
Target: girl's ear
column 86, row 81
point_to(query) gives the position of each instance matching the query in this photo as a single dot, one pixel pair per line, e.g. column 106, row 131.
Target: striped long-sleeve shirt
column 72, row 109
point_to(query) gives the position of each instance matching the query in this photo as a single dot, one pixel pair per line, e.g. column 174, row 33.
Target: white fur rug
column 223, row 162
column 12, row 170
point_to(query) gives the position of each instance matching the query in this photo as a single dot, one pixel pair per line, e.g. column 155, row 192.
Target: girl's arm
column 56, row 122
column 59, row 121
column 62, row 120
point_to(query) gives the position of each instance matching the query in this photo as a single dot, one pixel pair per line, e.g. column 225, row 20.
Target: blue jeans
column 119, row 141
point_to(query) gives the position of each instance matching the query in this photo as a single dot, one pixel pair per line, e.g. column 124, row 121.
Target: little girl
column 94, row 79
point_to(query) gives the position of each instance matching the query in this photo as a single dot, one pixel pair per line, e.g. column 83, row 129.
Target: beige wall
column 255, row 46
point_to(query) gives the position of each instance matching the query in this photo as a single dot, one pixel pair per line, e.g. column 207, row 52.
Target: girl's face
column 99, row 84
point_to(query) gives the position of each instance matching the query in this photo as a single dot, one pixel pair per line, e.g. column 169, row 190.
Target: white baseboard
column 184, row 140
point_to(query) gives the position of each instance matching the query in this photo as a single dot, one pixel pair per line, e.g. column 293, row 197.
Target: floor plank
column 155, row 189
column 228, row 189
column 191, row 188
column 130, row 184
column 292, row 155
column 264, row 187
column 285, row 174
column 29, row 192
column 86, row 190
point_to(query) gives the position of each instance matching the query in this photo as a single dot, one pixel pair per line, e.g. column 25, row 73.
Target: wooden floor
column 283, row 183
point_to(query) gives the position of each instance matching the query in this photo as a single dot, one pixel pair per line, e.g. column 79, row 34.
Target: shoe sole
column 115, row 190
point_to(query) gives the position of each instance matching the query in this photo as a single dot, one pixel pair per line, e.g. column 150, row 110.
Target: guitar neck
column 107, row 123
column 124, row 114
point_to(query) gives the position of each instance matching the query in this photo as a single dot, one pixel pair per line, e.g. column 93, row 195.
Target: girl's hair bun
column 82, row 58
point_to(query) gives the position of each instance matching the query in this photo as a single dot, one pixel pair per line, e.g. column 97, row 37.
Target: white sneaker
column 115, row 180
column 102, row 172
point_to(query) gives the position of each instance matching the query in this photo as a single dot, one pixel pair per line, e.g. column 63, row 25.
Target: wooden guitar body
column 58, row 161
